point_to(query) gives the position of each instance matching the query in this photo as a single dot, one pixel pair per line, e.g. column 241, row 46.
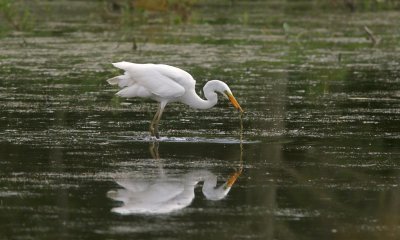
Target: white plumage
column 164, row 83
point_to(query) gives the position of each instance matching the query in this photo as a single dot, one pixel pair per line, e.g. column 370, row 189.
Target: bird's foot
column 154, row 132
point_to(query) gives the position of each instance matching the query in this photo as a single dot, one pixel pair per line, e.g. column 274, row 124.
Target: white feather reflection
column 164, row 195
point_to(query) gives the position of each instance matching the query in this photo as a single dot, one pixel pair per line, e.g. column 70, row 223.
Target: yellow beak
column 233, row 177
column 234, row 102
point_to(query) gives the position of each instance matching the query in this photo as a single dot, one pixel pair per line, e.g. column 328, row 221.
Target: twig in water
column 375, row 40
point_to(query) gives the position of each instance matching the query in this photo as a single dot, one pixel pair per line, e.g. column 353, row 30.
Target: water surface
column 321, row 125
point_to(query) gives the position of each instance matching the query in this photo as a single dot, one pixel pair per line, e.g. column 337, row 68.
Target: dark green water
column 321, row 156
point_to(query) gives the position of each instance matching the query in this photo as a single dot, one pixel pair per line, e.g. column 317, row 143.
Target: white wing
column 134, row 91
column 180, row 76
column 161, row 80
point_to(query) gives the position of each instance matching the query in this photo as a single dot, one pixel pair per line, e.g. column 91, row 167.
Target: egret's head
column 221, row 87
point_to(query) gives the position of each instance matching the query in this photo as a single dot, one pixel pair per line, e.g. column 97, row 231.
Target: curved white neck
column 194, row 101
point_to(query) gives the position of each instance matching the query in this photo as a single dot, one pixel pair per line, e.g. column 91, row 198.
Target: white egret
column 165, row 84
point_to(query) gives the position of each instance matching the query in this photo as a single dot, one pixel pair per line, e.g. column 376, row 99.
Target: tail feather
column 125, row 80
column 122, row 80
column 123, row 65
column 113, row 81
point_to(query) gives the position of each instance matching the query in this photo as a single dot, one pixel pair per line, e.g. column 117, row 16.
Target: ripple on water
column 186, row 140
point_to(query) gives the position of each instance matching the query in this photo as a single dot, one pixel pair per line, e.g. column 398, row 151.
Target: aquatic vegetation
column 129, row 12
column 349, row 5
column 15, row 16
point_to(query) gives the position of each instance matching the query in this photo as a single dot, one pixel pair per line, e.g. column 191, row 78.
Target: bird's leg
column 157, row 121
column 153, row 122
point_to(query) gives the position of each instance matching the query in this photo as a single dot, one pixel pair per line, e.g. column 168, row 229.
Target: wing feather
column 122, row 80
column 156, row 79
column 134, row 91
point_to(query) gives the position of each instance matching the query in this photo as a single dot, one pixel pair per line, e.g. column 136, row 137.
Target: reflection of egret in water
column 166, row 194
